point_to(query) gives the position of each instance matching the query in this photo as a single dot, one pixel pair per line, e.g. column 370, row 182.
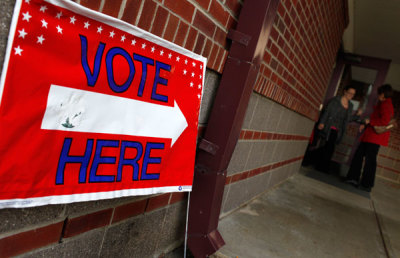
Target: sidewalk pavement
column 315, row 215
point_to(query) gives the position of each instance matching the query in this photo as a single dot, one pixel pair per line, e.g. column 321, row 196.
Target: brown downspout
column 249, row 41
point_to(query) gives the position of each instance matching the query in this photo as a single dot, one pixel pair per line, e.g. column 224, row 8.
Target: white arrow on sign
column 85, row 111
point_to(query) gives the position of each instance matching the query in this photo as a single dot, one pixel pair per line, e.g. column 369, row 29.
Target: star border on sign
column 18, row 50
column 22, row 33
column 43, row 8
column 27, row 16
column 59, row 29
column 44, row 23
column 40, row 39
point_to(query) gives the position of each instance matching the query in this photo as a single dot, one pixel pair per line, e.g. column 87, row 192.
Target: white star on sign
column 185, row 61
column 112, row 33
column 40, row 39
column 22, row 33
column 152, row 49
column 161, row 52
column 59, row 29
column 201, row 66
column 200, row 76
column 72, row 19
column 143, row 45
column 192, row 74
column 169, row 55
column 194, row 64
column 26, row 16
column 28, row 1
column 133, row 42
column 184, row 71
column 199, row 86
column 18, row 50
column 87, row 24
column 191, row 84
column 58, row 16
column 99, row 29
column 43, row 8
column 198, row 95
column 178, row 58
column 44, row 23
column 123, row 38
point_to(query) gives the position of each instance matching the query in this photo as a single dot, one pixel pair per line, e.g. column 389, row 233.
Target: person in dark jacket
column 371, row 141
column 332, row 125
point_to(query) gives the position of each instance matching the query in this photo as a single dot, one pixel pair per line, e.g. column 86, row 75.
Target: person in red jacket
column 371, row 141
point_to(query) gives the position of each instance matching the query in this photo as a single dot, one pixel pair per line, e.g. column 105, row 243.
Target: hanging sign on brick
column 93, row 108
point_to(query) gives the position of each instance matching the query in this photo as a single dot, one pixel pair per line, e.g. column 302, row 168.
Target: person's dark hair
column 386, row 89
column 349, row 87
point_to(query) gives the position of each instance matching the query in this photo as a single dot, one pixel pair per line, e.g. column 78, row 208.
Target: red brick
column 228, row 180
column 191, row 39
column 159, row 21
column 220, row 37
column 213, row 56
column 223, row 55
column 199, row 44
column 158, row 201
column 233, row 5
column 131, row 11
column 207, row 48
column 177, row 197
column 79, row 225
column 231, row 23
column 204, row 3
column 281, row 9
column 236, row 177
column 218, row 12
column 204, row 24
column 248, row 135
column 181, row 33
column 257, row 135
column 29, row 240
column 171, row 27
column 111, row 7
column 264, row 136
column 244, row 175
column 148, row 11
column 182, row 8
column 92, row 4
column 129, row 210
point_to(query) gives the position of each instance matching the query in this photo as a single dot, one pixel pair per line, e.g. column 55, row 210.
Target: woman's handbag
column 384, row 128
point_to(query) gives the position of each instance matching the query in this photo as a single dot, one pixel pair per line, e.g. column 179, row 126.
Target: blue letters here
column 98, row 159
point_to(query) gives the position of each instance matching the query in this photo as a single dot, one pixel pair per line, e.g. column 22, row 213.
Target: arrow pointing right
column 76, row 110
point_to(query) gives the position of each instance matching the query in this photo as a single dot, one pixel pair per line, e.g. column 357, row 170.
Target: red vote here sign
column 92, row 108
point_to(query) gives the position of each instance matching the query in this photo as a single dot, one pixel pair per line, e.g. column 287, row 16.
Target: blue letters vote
column 92, row 75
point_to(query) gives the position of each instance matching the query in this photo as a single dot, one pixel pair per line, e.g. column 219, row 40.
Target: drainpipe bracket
column 239, row 37
column 208, row 146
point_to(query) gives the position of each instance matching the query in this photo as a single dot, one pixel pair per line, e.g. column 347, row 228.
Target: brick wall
column 300, row 54
column 290, row 86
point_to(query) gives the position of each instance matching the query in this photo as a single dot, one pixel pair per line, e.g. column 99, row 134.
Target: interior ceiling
column 376, row 28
